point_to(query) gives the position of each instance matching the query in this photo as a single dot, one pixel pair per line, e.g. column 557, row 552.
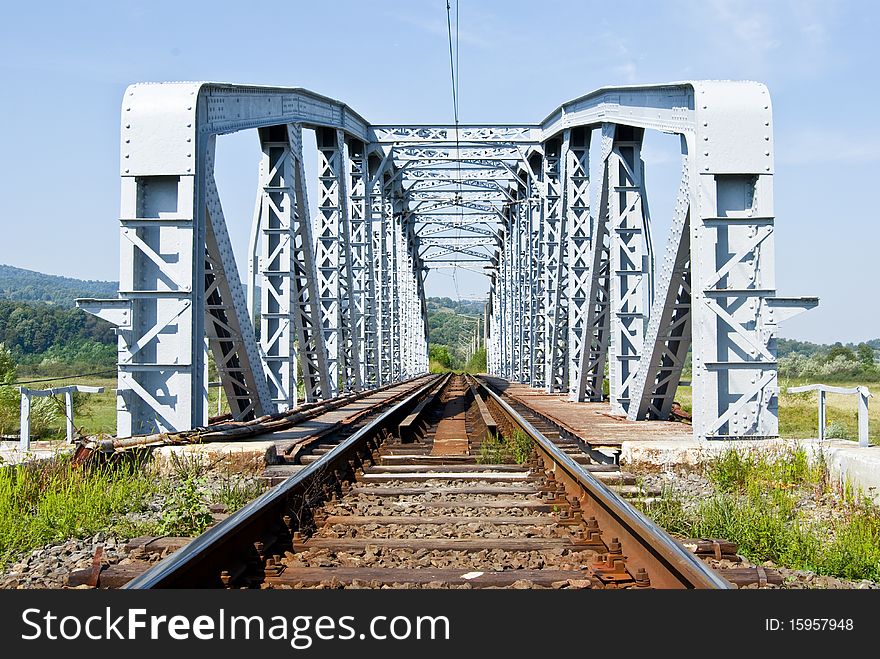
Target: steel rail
column 649, row 545
column 198, row 561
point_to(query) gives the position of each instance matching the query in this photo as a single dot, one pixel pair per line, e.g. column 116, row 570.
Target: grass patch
column 185, row 512
column 53, row 500
column 188, row 494
column 235, row 492
column 515, row 448
column 758, row 505
column 735, row 471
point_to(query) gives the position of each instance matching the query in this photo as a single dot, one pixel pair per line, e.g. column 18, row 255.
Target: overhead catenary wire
column 64, row 377
column 454, row 70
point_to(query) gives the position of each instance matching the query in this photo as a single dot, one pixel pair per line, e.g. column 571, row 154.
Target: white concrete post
column 821, row 415
column 863, row 416
column 68, row 411
column 25, row 441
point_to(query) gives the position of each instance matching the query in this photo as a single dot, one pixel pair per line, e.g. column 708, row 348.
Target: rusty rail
column 273, row 519
column 642, row 544
column 248, row 547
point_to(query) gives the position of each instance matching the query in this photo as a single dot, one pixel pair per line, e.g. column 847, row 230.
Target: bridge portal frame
column 715, row 290
column 180, row 293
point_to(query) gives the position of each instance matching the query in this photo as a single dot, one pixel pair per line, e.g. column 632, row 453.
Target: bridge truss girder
column 572, row 284
column 179, row 285
column 596, row 300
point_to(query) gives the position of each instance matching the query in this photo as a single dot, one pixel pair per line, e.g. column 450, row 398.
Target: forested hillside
column 45, row 332
column 49, row 339
column 451, row 325
column 29, row 286
column 48, row 335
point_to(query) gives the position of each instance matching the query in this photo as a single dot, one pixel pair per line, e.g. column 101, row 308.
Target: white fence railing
column 861, row 392
column 26, row 395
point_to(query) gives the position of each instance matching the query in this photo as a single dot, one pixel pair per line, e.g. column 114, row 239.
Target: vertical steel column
column 734, row 315
column 556, row 284
column 414, row 310
column 162, row 367
column 523, row 251
column 405, row 267
column 360, row 271
column 527, row 302
column 290, row 310
column 307, row 308
column 504, row 292
column 579, row 251
column 278, row 205
column 516, row 315
column 487, row 314
column 394, row 255
column 499, row 301
column 594, row 351
column 538, row 257
column 420, row 335
column 349, row 321
column 375, row 205
column 334, row 257
column 631, row 263
column 493, row 354
column 386, row 287
column 327, row 257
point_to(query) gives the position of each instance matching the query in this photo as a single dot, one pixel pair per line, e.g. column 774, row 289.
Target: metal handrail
column 863, row 395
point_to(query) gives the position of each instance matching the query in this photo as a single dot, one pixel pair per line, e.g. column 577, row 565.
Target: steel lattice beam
column 632, row 264
column 568, row 290
column 556, row 266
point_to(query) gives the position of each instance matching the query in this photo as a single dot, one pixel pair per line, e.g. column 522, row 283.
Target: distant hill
column 448, row 305
column 22, row 285
column 451, row 323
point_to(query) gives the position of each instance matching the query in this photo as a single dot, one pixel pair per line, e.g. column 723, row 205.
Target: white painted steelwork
column 573, row 288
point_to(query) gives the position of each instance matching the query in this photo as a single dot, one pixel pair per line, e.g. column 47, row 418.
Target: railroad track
column 424, row 495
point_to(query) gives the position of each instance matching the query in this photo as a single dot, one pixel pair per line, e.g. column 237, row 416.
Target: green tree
column 477, row 362
column 866, row 355
column 9, row 396
column 840, row 350
column 7, row 366
column 440, row 354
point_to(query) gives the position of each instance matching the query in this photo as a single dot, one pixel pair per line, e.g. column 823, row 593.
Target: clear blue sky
column 64, row 67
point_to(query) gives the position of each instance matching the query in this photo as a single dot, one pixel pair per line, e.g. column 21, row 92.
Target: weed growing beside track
column 53, row 500
column 781, row 508
column 500, row 450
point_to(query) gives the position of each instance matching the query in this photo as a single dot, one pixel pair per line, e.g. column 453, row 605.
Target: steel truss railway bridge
column 341, row 307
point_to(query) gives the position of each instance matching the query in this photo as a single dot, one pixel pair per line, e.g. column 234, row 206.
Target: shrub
column 837, row 430
column 185, row 512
